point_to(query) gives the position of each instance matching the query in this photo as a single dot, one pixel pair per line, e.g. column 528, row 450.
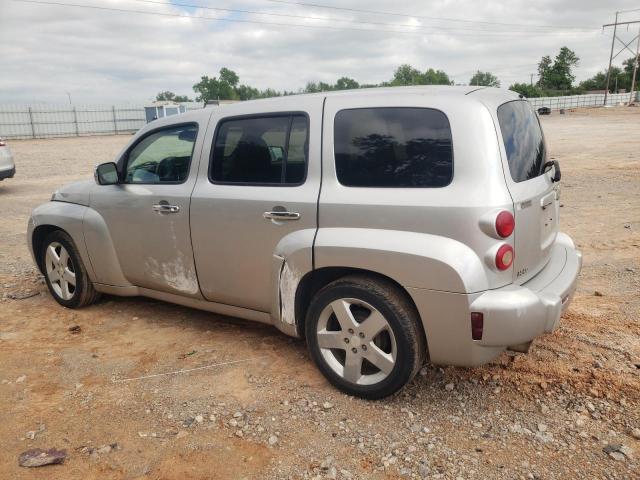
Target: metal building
column 163, row 109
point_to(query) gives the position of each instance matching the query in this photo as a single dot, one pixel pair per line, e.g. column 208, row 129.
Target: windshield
column 523, row 140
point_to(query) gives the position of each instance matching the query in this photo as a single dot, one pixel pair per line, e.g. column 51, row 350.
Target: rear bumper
column 9, row 173
column 513, row 315
column 518, row 313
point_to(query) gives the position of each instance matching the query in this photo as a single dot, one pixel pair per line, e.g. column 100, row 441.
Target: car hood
column 77, row 192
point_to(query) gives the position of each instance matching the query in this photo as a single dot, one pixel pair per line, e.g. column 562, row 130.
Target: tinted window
column 162, row 157
column 264, row 150
column 393, row 147
column 523, row 140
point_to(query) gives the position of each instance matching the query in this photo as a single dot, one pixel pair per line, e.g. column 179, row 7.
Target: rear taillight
column 504, row 257
column 477, row 323
column 505, row 224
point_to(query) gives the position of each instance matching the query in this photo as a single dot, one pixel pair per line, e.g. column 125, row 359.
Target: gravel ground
column 100, row 383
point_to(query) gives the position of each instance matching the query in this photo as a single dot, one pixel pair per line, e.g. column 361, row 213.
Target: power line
column 309, row 17
column 236, row 20
column 395, row 14
column 628, row 11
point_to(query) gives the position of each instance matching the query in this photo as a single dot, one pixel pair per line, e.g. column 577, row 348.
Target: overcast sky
column 99, row 55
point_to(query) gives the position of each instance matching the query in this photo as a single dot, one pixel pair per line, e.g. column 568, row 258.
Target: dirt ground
column 570, row 408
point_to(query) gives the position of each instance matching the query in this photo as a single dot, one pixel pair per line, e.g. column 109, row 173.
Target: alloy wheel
column 356, row 341
column 60, row 271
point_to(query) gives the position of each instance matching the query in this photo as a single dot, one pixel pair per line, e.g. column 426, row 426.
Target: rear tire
column 64, row 272
column 364, row 335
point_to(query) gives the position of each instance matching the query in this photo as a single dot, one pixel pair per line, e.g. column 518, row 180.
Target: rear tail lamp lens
column 477, row 323
column 505, row 224
column 504, row 257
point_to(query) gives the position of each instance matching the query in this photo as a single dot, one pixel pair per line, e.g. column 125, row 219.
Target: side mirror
column 106, row 174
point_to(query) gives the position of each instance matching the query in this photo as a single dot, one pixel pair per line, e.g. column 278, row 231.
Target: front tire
column 364, row 335
column 64, row 272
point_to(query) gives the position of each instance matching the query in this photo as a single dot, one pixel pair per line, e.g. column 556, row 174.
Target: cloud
column 107, row 56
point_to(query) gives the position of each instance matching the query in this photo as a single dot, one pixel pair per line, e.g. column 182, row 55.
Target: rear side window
column 269, row 150
column 393, row 147
column 523, row 140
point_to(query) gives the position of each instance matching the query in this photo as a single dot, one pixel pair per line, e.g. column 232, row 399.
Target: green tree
column 171, row 97
column 544, row 67
column 222, row 88
column 270, row 92
column 408, row 75
column 245, row 92
column 229, row 77
column 559, row 74
column 436, row 77
column 526, row 89
column 485, row 79
column 346, row 83
column 597, row 82
column 165, row 96
column 315, row 87
column 628, row 65
column 620, row 78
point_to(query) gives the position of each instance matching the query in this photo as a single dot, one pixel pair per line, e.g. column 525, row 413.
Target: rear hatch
column 535, row 195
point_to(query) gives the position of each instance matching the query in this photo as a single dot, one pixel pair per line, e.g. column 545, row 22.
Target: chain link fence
column 582, row 101
column 51, row 120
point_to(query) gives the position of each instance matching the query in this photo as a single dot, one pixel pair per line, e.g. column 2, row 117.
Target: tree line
column 555, row 77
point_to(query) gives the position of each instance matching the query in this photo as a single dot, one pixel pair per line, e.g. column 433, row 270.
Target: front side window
column 393, row 147
column 523, row 140
column 163, row 156
column 270, row 150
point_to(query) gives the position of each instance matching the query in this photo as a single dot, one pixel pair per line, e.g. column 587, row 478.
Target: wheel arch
column 315, row 280
column 52, row 216
column 38, row 236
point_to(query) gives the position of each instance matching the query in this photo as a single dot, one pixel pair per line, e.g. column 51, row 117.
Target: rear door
column 261, row 185
column 535, row 196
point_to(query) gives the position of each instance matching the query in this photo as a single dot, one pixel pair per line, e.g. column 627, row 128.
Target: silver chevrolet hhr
column 384, row 226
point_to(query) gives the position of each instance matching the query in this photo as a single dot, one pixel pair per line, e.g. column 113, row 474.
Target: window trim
column 291, row 115
column 388, row 107
column 125, row 156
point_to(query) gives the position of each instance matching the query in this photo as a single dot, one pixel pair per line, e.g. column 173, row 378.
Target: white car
column 7, row 167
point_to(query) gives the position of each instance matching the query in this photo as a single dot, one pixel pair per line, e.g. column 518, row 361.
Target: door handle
column 281, row 215
column 166, row 208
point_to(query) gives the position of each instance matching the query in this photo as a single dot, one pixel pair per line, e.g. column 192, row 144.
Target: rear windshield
column 393, row 147
column 523, row 140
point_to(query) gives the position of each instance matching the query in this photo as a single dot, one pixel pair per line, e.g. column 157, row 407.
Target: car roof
column 491, row 97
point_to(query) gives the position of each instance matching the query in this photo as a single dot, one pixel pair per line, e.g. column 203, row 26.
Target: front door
column 148, row 212
column 262, row 185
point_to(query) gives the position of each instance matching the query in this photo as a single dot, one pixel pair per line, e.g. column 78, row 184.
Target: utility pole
column 613, row 41
column 625, row 46
column 531, row 81
column 635, row 69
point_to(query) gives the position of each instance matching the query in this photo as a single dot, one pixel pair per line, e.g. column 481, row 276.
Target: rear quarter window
column 393, row 147
column 523, row 140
